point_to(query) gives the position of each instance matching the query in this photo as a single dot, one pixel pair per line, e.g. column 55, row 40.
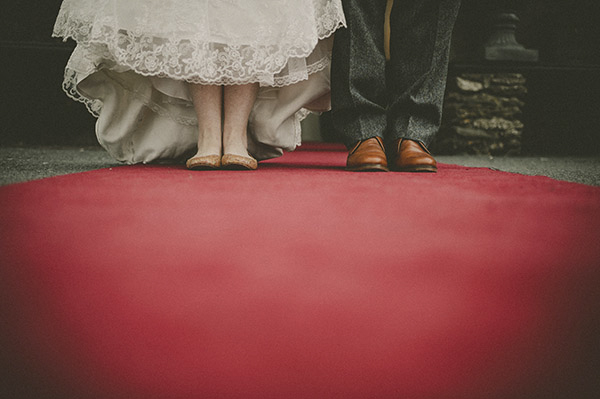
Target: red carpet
column 299, row 280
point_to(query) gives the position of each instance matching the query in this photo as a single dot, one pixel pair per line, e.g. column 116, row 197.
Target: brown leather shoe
column 412, row 156
column 367, row 155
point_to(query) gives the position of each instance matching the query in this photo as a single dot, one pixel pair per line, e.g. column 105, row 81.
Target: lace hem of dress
column 198, row 61
column 94, row 106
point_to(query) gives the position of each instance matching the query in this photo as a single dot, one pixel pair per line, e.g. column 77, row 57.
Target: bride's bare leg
column 239, row 100
column 207, row 101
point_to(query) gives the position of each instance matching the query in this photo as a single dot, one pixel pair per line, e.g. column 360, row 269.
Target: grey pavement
column 25, row 164
column 19, row 164
column 575, row 169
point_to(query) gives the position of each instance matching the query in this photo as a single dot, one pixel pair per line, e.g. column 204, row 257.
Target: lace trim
column 196, row 60
column 290, row 79
column 299, row 116
column 69, row 86
column 94, row 106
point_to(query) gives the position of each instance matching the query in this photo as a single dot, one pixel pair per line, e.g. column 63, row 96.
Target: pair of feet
column 226, row 161
column 406, row 156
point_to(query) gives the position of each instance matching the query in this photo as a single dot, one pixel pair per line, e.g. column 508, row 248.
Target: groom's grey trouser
column 406, row 100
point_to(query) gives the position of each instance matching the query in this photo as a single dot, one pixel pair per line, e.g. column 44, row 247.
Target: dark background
column 561, row 117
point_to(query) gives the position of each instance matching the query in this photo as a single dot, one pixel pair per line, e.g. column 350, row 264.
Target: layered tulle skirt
column 135, row 59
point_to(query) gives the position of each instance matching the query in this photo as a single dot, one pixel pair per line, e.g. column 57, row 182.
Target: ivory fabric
column 134, row 61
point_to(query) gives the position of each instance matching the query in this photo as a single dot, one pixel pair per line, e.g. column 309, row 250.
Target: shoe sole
column 425, row 169
column 234, row 166
column 368, row 168
column 203, row 167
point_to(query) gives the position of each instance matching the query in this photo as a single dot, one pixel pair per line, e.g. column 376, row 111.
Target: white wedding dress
column 134, row 59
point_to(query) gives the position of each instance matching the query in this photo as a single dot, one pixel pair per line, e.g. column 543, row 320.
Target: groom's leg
column 358, row 94
column 420, row 46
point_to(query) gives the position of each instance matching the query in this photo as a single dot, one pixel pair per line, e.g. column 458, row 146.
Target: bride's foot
column 208, row 155
column 235, row 153
column 238, row 162
column 210, row 143
column 204, row 162
column 236, row 157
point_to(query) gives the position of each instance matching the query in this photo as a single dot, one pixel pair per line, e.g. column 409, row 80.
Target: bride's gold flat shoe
column 204, row 162
column 231, row 161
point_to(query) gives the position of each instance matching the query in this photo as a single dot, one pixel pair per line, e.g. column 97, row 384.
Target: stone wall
column 482, row 114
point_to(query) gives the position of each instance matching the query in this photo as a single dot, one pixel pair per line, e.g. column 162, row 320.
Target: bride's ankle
column 209, row 143
column 242, row 153
column 209, row 149
column 235, row 142
column 236, row 149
